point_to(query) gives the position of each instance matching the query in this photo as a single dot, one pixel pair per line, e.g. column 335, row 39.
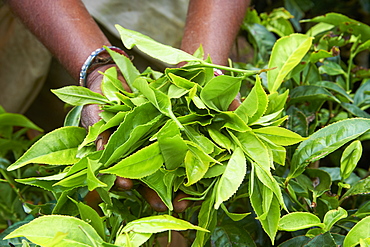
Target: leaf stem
column 244, row 71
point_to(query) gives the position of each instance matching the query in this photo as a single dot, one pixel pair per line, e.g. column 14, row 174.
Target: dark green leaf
column 310, row 93
column 231, row 235
column 14, row 119
column 296, row 241
column 324, row 240
column 335, row 88
column 361, row 187
column 355, row 110
column 345, row 24
column 325, row 141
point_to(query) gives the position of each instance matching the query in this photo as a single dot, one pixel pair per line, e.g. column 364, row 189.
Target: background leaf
column 299, row 220
column 58, row 147
column 325, row 141
column 159, row 223
column 286, row 54
column 360, row 231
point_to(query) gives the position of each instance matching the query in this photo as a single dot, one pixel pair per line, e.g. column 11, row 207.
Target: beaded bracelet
column 97, row 58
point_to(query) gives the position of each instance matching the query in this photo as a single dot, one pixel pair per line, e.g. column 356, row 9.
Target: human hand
column 90, row 115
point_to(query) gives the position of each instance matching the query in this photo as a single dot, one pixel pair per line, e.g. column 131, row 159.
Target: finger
column 235, row 103
column 122, row 184
column 102, row 139
column 93, row 199
column 152, row 198
column 180, row 206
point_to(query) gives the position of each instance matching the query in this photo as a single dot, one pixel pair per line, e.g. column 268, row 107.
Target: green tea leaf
column 92, row 181
column 331, row 68
column 332, row 216
column 231, row 178
column 220, row 91
column 196, row 165
column 154, row 49
column 160, row 100
column 69, row 231
column 162, row 183
column 254, row 148
column 160, row 223
column 132, row 239
column 255, row 105
column 207, row 218
column 73, row 117
column 360, row 231
column 108, row 88
column 325, row 141
column 214, row 171
column 77, row 95
column 286, row 54
column 133, row 128
column 76, row 180
column 350, row 158
column 58, row 147
column 266, row 209
column 89, row 215
column 128, row 70
column 279, row 135
column 142, row 163
column 219, row 138
column 299, row 220
column 181, row 82
column 172, row 146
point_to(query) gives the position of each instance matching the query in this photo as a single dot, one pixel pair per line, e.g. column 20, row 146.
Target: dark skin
column 69, row 32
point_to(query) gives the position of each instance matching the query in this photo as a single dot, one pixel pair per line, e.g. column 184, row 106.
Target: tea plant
column 255, row 174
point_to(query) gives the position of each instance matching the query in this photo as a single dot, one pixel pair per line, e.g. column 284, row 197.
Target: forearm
column 64, row 26
column 214, row 24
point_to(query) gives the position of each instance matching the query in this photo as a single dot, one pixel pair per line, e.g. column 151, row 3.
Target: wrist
column 97, row 59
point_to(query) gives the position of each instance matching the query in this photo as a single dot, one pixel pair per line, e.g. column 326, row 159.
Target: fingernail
column 99, row 144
